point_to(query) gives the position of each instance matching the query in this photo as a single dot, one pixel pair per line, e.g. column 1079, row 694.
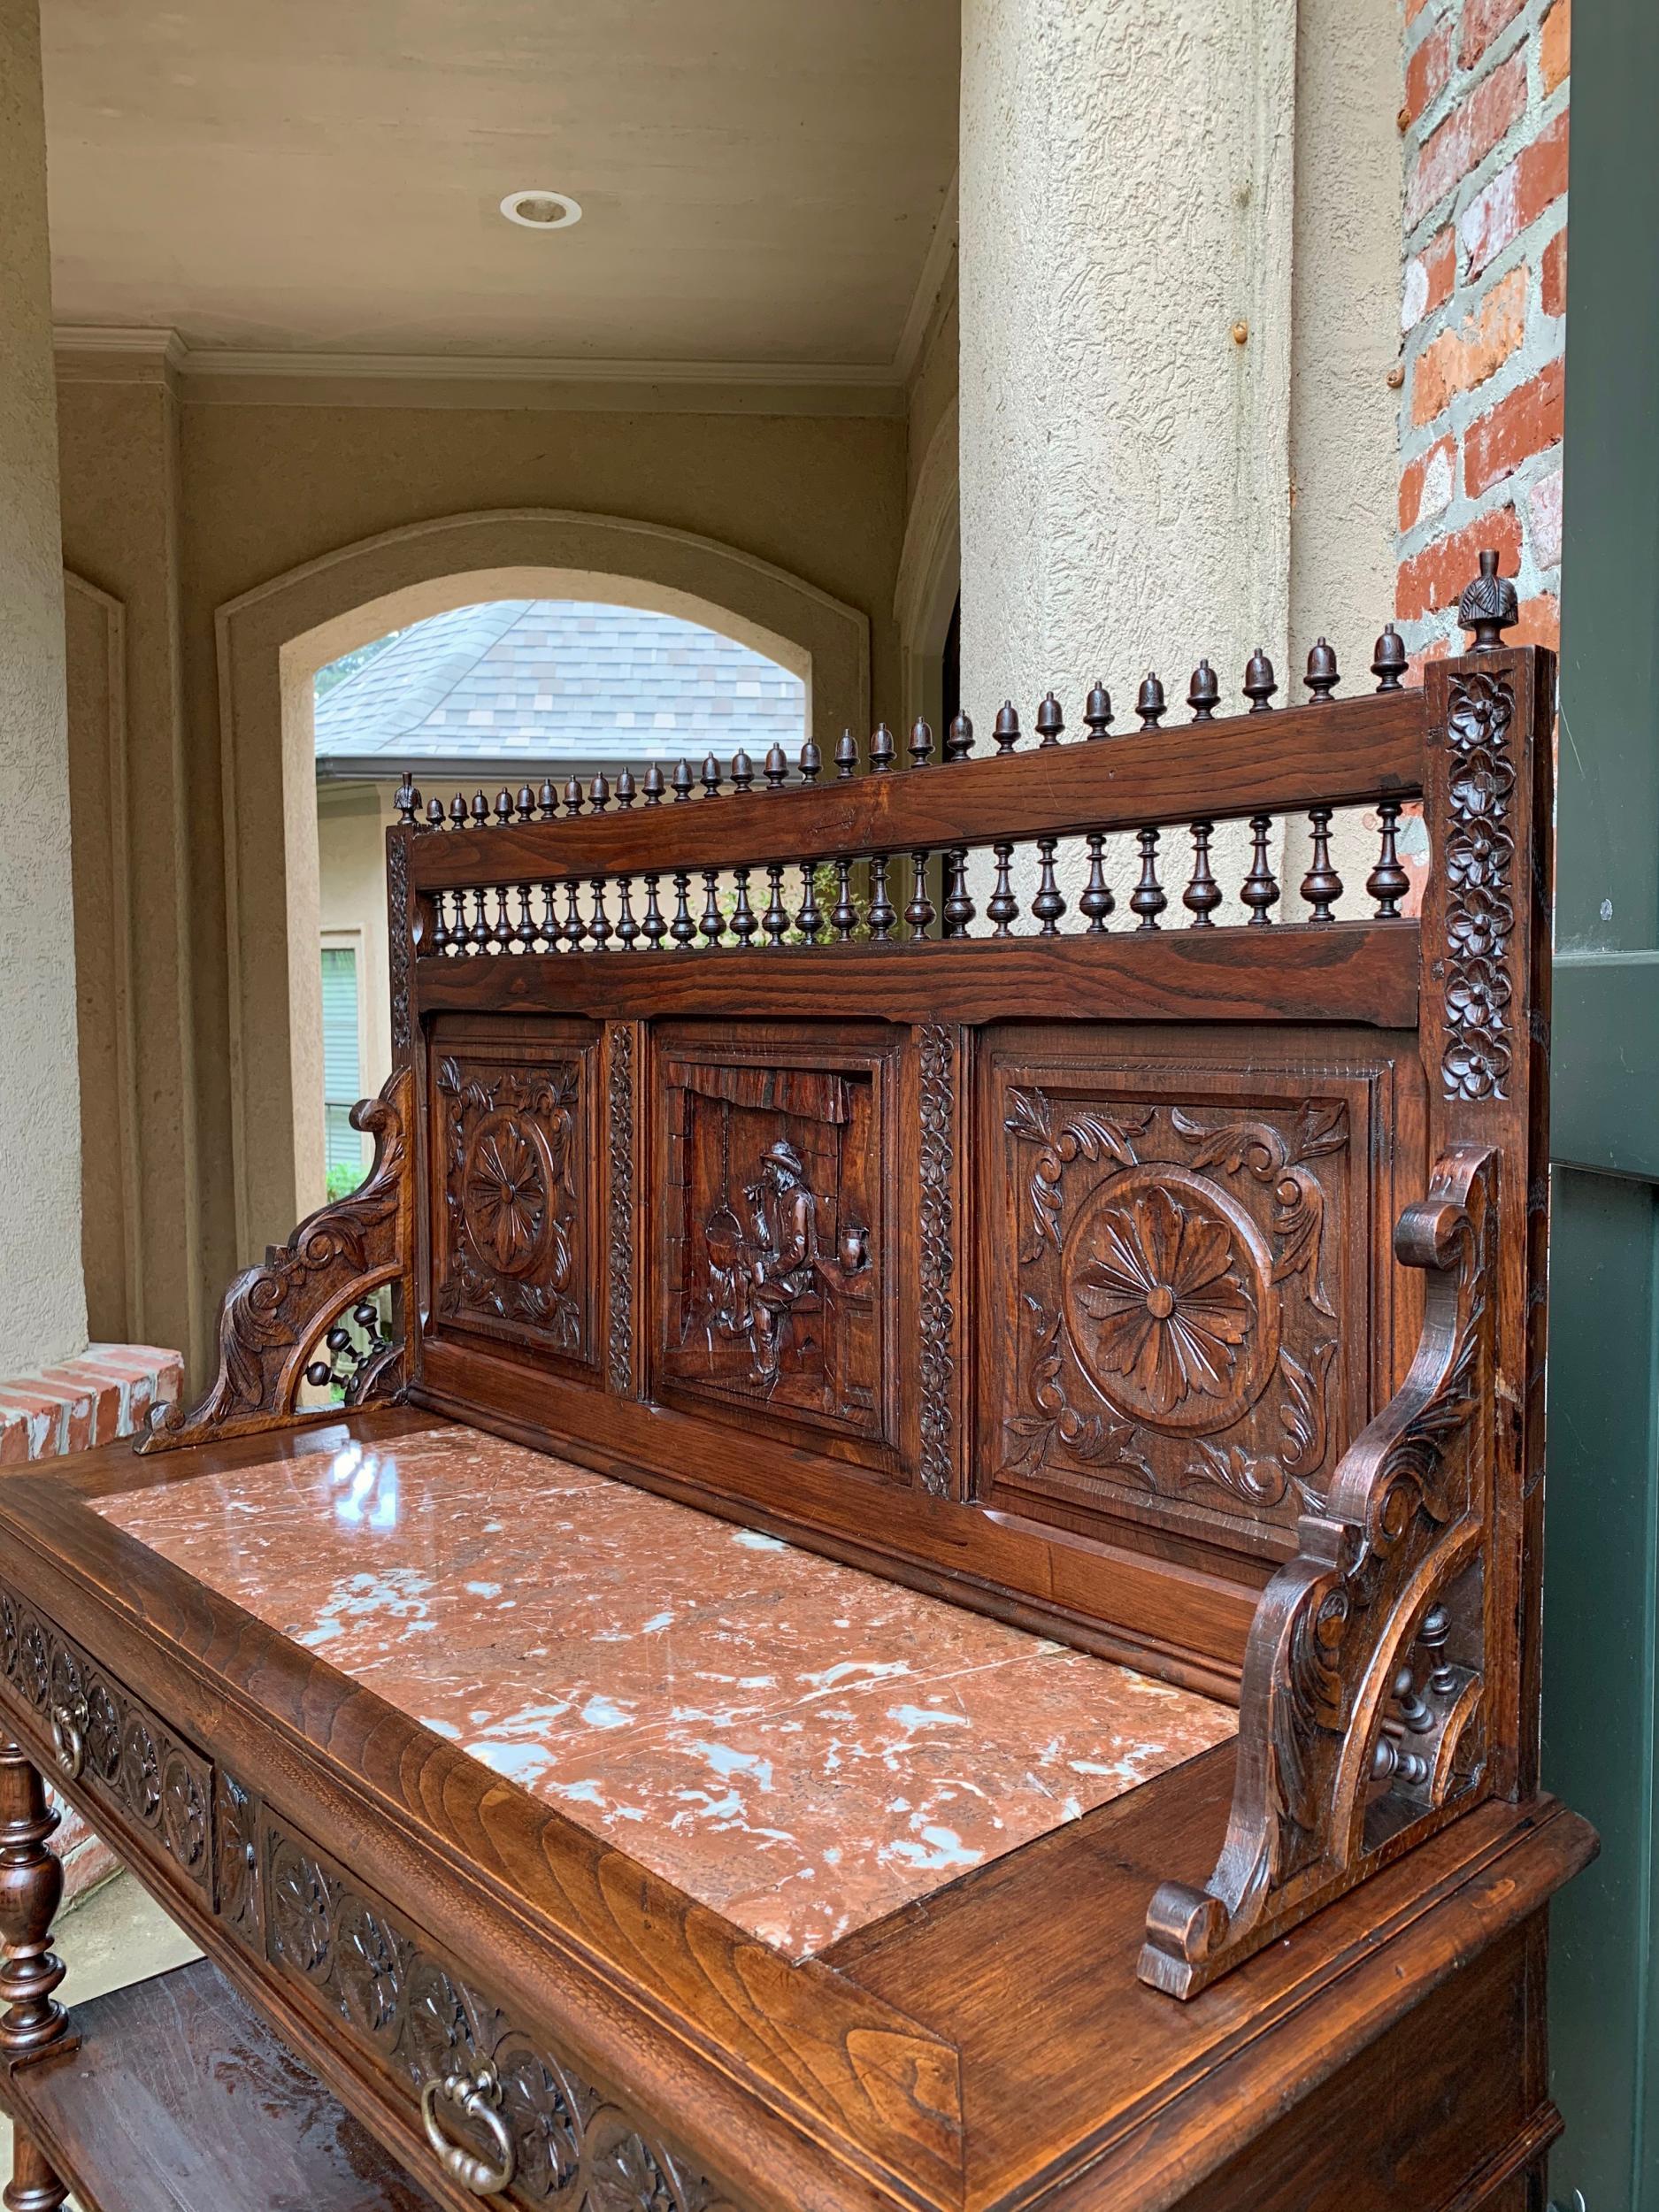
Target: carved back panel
column 988, row 1171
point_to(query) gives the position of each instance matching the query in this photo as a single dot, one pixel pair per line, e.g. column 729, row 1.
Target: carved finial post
column 1005, row 729
column 1203, row 694
column 710, row 777
column 921, row 745
column 1051, row 721
column 882, row 750
column 846, row 756
column 1488, row 606
column 434, row 814
column 625, row 788
column 1097, row 712
column 480, row 811
column 526, row 803
column 408, row 800
column 547, row 800
column 959, row 738
column 683, row 781
column 572, row 795
column 743, row 773
column 777, row 771
column 811, row 762
column 1260, row 683
column 1150, row 702
column 504, row 807
column 457, row 812
column 653, row 785
column 1321, row 677
column 1388, row 660
column 599, row 793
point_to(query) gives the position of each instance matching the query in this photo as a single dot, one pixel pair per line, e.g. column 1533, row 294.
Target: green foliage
column 349, row 663
column 343, row 1179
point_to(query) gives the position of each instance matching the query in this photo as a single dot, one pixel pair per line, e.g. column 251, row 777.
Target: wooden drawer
column 407, row 2018
column 110, row 1745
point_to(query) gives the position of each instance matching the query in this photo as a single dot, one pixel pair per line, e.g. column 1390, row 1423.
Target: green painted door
column 1601, row 1589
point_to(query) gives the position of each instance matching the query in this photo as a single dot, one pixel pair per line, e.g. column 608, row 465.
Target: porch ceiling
column 760, row 179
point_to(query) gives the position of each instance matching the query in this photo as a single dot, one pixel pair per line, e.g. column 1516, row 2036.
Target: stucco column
column 1127, row 178
column 42, row 1304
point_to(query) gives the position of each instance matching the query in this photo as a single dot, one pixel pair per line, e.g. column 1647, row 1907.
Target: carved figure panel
column 771, row 1283
column 512, row 1215
column 1188, row 1302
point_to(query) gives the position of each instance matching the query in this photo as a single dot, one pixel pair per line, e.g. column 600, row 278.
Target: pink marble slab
column 801, row 1746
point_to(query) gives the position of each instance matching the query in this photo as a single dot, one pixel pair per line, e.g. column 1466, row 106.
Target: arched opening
column 501, row 695
column 273, row 640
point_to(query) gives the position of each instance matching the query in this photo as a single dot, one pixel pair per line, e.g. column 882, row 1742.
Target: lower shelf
column 181, row 2099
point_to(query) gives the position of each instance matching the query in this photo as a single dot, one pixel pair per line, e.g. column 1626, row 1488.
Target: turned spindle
column 1202, row 894
column 744, row 921
column 1051, row 721
column 1260, row 683
column 959, row 738
column 599, row 928
column 654, row 926
column 1097, row 712
column 1005, row 729
column 775, row 920
column 31, row 1889
column 844, row 914
column 440, row 924
column 918, row 913
column 1387, row 882
column 683, row 930
column 501, row 935
column 524, row 935
column 959, row 909
column 810, row 920
column 883, row 913
column 575, row 928
column 1001, row 907
column 1148, row 899
column 1321, row 886
column 1260, row 889
column 1049, row 903
column 713, row 922
column 1388, row 661
column 547, row 927
column 1096, row 900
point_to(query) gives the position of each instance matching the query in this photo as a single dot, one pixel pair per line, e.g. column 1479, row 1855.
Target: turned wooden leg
column 31, row 1887
column 34, row 2186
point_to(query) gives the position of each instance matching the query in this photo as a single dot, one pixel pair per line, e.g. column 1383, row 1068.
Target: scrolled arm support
column 1360, row 1719
column 290, row 1315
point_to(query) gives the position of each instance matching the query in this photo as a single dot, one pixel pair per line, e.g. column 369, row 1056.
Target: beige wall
column 43, row 1305
column 168, row 481
column 352, row 820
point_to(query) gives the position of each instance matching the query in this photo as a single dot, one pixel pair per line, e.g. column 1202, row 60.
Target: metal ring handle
column 478, row 2097
column 69, row 1736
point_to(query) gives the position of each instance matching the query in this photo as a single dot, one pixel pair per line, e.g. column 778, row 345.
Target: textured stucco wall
column 42, row 1304
column 1126, row 189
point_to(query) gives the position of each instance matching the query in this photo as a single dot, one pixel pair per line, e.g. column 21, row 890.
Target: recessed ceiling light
column 542, row 210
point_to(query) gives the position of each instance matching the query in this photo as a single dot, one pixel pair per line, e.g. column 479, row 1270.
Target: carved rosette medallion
column 938, row 1257
column 1169, row 1302
column 511, row 1162
column 619, row 1249
column 1175, row 1332
column 1479, row 858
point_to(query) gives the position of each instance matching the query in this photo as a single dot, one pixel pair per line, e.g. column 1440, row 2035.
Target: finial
column 742, row 771
column 682, row 781
column 599, row 793
column 846, row 756
column 812, row 762
column 1321, row 677
column 434, row 814
column 408, row 800
column 503, row 806
column 1005, row 729
column 1203, row 694
column 921, row 745
column 526, row 803
column 1097, row 711
column 480, row 811
column 1388, row 659
column 959, row 738
column 625, row 788
column 1488, row 606
column 1150, row 702
column 653, row 785
column 881, row 750
column 547, row 800
column 572, row 795
column 1260, row 683
column 1051, row 721
column 777, row 768
column 457, row 812
column 710, row 777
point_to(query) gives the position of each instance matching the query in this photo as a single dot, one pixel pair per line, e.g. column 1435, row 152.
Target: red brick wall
column 1485, row 123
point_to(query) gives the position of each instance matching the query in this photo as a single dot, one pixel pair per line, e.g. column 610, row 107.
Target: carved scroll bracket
column 1360, row 1719
column 276, row 1320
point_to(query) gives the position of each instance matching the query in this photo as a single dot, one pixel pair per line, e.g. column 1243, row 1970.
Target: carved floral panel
column 770, row 1291
column 1189, row 1294
column 512, row 1216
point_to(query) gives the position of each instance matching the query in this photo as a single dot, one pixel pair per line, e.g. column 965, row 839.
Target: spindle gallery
column 891, row 1559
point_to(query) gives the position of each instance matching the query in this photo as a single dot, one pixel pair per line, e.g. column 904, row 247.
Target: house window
column 343, row 1068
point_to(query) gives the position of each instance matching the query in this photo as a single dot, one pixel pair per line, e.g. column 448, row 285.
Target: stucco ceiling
column 760, row 179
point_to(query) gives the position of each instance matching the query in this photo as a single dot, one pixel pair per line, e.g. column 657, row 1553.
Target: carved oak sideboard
column 890, row 1560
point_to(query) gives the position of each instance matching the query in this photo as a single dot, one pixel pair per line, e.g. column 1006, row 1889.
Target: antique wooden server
column 1136, row 1251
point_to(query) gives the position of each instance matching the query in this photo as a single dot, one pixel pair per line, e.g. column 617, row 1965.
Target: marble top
column 801, row 1746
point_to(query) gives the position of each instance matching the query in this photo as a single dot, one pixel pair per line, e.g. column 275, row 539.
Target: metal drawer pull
column 478, row 2097
column 69, row 1736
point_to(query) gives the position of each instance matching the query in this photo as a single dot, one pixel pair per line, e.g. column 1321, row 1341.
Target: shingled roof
column 520, row 682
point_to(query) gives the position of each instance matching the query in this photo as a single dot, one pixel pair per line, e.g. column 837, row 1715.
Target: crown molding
column 104, row 354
